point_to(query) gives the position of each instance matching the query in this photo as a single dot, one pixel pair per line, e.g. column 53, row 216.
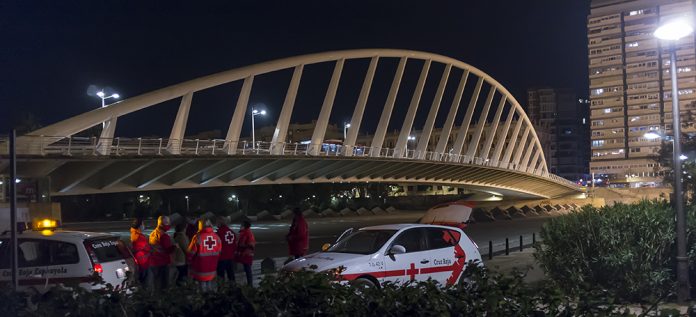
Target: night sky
column 52, row 52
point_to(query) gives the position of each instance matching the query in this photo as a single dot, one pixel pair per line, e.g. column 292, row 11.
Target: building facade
column 561, row 121
column 630, row 86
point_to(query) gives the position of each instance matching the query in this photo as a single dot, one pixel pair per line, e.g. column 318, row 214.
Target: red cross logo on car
column 412, row 271
column 229, row 237
column 209, row 242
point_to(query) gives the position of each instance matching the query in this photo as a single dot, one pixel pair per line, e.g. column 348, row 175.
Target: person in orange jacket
column 203, row 253
column 298, row 236
column 245, row 249
column 162, row 248
column 141, row 250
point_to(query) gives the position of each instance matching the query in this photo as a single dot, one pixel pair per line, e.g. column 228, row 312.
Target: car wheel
column 364, row 282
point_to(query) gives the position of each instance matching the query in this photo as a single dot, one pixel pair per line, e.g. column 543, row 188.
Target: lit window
column 632, row 44
column 607, row 110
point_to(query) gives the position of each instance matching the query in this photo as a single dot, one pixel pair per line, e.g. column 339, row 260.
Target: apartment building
column 561, row 120
column 630, row 86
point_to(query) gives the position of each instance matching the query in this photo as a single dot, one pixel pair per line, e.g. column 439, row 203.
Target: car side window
column 36, row 252
column 439, row 238
column 33, row 253
column 412, row 240
column 4, row 254
column 63, row 253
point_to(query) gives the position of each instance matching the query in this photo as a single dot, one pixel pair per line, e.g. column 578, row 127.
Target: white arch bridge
column 494, row 147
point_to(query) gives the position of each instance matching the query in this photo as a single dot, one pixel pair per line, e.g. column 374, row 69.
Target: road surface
column 270, row 236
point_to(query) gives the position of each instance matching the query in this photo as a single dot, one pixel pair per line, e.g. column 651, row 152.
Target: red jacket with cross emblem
column 229, row 242
column 203, row 253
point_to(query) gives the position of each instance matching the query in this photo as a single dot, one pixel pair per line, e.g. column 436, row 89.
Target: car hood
column 322, row 261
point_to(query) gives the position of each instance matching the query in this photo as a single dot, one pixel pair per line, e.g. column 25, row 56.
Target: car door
column 441, row 255
column 401, row 268
column 32, row 258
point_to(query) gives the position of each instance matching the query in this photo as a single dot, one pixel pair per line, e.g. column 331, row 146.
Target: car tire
column 365, row 282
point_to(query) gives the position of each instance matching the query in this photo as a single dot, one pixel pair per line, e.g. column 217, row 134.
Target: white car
column 395, row 253
column 48, row 258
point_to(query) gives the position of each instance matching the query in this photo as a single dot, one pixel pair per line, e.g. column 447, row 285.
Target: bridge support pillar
column 107, row 137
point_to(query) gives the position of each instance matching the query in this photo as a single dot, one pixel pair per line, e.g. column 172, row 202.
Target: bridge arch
column 524, row 152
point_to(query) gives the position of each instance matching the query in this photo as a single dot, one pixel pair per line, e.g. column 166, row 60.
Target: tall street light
column 346, row 125
column 103, row 98
column 187, row 204
column 254, row 113
column 671, row 32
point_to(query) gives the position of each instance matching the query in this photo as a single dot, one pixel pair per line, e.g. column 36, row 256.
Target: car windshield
column 363, row 241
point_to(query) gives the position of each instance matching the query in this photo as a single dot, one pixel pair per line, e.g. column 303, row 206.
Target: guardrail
column 507, row 245
column 93, row 146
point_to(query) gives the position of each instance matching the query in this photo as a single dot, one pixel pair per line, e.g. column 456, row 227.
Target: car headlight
column 335, row 273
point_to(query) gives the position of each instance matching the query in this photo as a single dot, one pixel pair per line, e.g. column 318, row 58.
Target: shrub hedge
column 314, row 294
column 628, row 250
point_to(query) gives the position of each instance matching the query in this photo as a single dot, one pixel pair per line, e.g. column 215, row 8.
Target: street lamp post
column 672, row 32
column 254, row 113
column 346, row 125
column 187, row 204
column 103, row 98
column 410, row 138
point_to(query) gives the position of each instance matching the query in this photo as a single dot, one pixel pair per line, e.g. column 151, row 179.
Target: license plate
column 120, row 273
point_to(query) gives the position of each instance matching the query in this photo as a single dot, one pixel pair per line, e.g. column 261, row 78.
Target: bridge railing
column 91, row 146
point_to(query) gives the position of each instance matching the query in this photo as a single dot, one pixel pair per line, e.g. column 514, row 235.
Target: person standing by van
column 298, row 236
column 162, row 247
column 141, row 250
column 179, row 260
column 245, row 249
column 203, row 253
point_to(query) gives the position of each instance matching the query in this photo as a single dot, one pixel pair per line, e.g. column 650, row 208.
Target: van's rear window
column 106, row 250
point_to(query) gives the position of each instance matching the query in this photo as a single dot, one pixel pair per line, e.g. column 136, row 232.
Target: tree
column 665, row 160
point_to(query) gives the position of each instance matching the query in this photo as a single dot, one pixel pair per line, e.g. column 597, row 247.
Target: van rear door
column 110, row 258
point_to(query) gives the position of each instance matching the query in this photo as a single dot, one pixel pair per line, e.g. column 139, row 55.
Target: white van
column 48, row 257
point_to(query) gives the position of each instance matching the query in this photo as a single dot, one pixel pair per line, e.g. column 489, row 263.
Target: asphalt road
column 270, row 236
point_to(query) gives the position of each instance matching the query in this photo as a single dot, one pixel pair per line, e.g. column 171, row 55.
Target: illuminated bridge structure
column 493, row 149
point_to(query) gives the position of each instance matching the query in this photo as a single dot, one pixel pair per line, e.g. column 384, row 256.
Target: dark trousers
column 143, row 277
column 160, row 276
column 183, row 274
column 247, row 270
column 226, row 267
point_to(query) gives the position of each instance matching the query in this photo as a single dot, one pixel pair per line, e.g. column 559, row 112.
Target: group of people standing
column 200, row 253
column 196, row 250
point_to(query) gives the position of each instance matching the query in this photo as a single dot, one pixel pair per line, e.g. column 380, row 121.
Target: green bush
column 628, row 250
column 315, row 294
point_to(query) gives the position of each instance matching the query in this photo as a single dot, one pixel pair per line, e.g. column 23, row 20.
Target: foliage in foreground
column 627, row 250
column 314, row 294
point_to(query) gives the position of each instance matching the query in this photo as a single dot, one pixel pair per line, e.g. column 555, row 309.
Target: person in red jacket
column 298, row 237
column 162, row 248
column 141, row 250
column 203, row 253
column 229, row 247
column 245, row 249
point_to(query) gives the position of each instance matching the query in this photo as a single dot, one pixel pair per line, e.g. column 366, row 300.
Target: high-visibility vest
column 203, row 254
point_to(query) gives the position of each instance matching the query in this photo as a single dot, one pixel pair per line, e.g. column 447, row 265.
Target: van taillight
column 93, row 258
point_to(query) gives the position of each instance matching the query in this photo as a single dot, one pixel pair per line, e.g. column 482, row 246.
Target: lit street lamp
column 103, row 98
column 187, row 204
column 346, row 125
column 254, row 113
column 410, row 138
column 672, row 32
